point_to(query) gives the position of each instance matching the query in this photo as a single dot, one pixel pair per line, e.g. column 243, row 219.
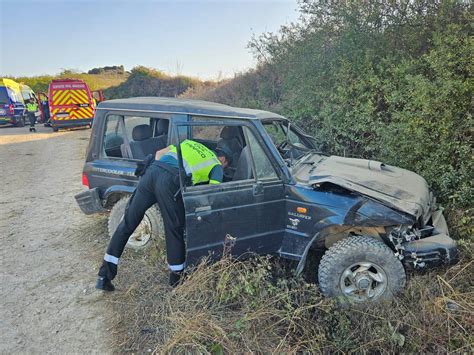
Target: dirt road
column 49, row 250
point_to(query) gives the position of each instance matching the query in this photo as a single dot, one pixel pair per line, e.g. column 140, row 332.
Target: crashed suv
column 279, row 196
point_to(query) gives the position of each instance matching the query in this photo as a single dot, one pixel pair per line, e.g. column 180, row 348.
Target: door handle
column 202, row 211
column 257, row 188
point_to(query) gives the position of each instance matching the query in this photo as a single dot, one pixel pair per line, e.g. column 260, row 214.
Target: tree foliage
column 94, row 81
column 145, row 81
column 380, row 79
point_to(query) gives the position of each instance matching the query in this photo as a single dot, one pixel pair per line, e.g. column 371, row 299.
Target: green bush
column 385, row 80
column 145, row 81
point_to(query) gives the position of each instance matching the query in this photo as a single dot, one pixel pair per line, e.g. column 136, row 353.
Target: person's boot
column 104, row 284
column 175, row 277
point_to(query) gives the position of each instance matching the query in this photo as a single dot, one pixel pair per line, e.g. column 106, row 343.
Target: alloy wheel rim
column 363, row 281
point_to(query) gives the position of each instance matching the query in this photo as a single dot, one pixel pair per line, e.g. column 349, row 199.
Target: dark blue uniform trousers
column 157, row 185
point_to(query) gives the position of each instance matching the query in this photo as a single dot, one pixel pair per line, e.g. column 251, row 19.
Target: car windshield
column 289, row 140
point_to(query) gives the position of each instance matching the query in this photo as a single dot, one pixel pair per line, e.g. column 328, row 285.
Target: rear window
column 3, row 96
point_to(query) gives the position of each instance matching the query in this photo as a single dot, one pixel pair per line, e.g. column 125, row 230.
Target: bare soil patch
column 49, row 250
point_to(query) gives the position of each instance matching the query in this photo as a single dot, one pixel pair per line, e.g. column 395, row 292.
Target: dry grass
column 258, row 306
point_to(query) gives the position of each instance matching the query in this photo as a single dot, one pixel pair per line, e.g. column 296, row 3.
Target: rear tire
column 151, row 227
column 360, row 269
column 55, row 129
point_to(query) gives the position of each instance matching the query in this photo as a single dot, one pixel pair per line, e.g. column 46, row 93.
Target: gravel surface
column 49, row 250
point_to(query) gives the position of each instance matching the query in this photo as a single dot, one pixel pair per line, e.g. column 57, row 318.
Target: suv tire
column 360, row 269
column 150, row 228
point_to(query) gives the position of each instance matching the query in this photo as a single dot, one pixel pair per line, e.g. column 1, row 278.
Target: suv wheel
column 150, row 228
column 360, row 269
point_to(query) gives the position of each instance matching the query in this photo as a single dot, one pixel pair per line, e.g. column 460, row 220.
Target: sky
column 199, row 38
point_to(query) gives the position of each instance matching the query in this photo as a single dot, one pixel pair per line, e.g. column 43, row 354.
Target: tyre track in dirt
column 49, row 250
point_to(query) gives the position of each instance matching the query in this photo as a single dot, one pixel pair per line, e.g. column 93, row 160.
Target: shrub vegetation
column 145, row 81
column 94, row 81
column 384, row 80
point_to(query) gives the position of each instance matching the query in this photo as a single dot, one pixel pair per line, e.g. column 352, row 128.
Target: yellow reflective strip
column 63, row 98
column 77, row 98
column 83, row 95
column 214, row 182
column 84, row 113
column 58, row 97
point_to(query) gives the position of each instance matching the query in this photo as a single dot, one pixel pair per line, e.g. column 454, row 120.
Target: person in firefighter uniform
column 159, row 183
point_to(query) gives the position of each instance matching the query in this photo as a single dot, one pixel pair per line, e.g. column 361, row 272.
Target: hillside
column 100, row 81
column 145, row 81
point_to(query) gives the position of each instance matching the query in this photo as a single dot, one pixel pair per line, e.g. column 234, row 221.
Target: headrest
column 229, row 132
column 162, row 127
column 141, row 132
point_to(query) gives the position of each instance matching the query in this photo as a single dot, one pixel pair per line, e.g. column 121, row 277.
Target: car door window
column 113, row 136
column 263, row 166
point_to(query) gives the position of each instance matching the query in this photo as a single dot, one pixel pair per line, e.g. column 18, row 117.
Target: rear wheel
column 55, row 129
column 360, row 269
column 150, row 228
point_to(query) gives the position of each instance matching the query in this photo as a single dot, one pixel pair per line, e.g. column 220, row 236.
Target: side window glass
column 263, row 166
column 208, row 135
column 113, row 138
column 142, row 132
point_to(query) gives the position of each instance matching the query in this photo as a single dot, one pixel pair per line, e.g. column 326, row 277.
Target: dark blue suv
column 280, row 195
column 12, row 106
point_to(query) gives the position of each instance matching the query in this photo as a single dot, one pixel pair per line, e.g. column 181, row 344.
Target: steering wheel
column 281, row 147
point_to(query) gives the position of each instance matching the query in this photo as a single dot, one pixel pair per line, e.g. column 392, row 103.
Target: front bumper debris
column 89, row 201
column 435, row 250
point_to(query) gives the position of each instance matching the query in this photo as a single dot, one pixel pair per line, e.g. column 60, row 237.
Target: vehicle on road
column 70, row 103
column 12, row 105
column 280, row 195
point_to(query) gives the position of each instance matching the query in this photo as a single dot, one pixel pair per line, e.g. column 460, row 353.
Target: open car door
column 247, row 211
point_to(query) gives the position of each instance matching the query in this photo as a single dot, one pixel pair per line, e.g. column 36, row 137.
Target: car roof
column 185, row 106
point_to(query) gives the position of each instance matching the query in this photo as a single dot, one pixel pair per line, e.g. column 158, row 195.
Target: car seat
column 161, row 140
column 143, row 143
column 243, row 169
column 231, row 136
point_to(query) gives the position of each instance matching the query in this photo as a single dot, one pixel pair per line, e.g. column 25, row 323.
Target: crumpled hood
column 396, row 187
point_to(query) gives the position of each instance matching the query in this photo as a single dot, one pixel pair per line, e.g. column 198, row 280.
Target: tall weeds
column 258, row 305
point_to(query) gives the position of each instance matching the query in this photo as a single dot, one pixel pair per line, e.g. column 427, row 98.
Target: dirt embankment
column 49, row 250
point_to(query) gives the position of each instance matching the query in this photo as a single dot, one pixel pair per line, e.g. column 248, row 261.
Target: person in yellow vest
column 159, row 183
column 32, row 108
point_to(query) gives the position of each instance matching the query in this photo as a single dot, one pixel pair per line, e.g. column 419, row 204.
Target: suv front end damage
column 395, row 199
column 426, row 246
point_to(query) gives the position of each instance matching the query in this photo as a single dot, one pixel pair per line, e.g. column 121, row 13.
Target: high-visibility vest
column 198, row 160
column 32, row 107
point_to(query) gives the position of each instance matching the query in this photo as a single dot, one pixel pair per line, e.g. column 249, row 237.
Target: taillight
column 85, row 180
column 11, row 108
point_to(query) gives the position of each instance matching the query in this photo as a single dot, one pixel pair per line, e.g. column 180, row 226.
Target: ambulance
column 70, row 103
